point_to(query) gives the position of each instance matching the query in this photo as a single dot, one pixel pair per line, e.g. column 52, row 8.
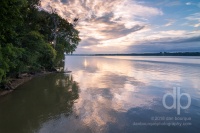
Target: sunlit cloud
column 188, row 3
column 110, row 26
column 194, row 19
column 170, row 22
column 193, row 4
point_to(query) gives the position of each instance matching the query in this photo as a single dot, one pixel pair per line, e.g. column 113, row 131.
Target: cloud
column 90, row 42
column 167, row 3
column 193, row 20
column 193, row 4
column 172, row 36
column 188, row 3
column 167, row 45
column 197, row 25
column 174, row 3
column 119, row 30
column 113, row 26
column 187, row 40
column 195, row 16
column 177, row 40
column 170, row 22
column 173, row 32
column 104, row 20
column 169, row 41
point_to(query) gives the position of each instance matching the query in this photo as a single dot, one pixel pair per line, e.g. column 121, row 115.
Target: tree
column 10, row 19
column 26, row 38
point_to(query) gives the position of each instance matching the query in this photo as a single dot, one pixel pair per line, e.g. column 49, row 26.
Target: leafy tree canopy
column 32, row 40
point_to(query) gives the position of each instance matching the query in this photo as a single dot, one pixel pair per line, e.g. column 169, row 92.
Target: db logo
column 176, row 95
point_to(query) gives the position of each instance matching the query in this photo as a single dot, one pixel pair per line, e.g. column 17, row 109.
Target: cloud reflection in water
column 114, row 85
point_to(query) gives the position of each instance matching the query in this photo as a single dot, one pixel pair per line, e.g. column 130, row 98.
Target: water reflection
column 101, row 95
column 43, row 99
column 85, row 63
column 118, row 92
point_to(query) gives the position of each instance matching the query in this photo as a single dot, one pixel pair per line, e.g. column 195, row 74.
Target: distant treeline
column 146, row 54
column 32, row 39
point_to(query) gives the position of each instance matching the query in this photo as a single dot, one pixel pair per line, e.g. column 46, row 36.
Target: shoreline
column 16, row 82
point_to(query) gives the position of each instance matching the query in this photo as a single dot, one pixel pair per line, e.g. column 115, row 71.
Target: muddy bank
column 15, row 82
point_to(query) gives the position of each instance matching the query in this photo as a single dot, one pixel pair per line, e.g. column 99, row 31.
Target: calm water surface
column 107, row 95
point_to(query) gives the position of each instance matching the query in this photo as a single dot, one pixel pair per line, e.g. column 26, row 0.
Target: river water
column 114, row 94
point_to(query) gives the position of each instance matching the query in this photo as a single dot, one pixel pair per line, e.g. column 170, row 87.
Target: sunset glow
column 128, row 26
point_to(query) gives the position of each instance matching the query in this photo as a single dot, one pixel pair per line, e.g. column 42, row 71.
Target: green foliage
column 47, row 56
column 9, row 59
column 10, row 18
column 39, row 54
column 32, row 43
column 26, row 38
column 60, row 55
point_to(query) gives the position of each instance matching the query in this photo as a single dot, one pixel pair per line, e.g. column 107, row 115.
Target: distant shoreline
column 144, row 54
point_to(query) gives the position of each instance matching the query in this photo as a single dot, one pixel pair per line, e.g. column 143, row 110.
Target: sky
column 132, row 26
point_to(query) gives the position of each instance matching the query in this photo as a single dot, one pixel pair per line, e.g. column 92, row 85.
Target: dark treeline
column 32, row 39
